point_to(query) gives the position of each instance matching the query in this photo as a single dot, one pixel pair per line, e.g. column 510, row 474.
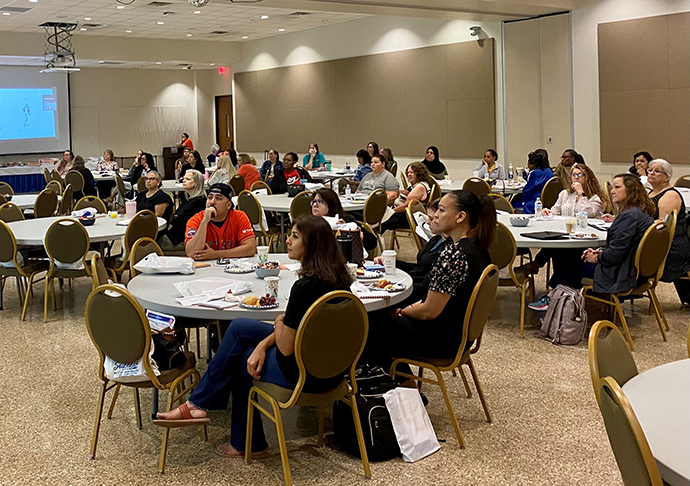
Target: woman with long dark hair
column 194, row 161
column 434, row 164
column 255, row 350
column 539, row 173
column 326, row 202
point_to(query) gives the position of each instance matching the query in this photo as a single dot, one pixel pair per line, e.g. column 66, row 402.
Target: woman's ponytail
column 483, row 233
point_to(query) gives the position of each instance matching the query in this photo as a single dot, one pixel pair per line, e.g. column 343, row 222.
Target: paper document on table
column 207, row 289
column 293, row 267
column 363, row 292
column 313, row 186
column 600, row 225
column 444, row 182
column 122, row 222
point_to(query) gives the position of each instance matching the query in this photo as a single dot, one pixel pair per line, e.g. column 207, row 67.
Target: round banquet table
column 30, row 232
column 498, row 188
column 660, row 398
column 555, row 224
column 172, row 186
column 156, row 292
column 24, row 201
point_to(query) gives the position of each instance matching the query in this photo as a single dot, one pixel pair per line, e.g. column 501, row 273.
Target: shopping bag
column 416, row 436
column 153, row 263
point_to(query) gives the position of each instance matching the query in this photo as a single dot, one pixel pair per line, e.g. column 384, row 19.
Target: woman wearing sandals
column 255, row 350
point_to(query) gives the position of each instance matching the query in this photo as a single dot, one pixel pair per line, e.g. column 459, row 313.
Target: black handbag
column 294, row 189
column 167, row 351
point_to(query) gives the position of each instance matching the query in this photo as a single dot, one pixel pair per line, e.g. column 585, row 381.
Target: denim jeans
column 227, row 373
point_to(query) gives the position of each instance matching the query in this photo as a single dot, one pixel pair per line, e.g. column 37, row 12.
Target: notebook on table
column 546, row 235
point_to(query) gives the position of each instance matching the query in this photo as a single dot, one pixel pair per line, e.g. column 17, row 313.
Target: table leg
column 154, row 403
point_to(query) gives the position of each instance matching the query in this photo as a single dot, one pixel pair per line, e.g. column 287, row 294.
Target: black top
column 134, row 174
column 178, row 223
column 89, row 189
column 678, row 259
column 455, row 272
column 159, row 197
column 425, row 261
column 616, row 269
column 303, row 294
column 189, row 166
column 279, row 183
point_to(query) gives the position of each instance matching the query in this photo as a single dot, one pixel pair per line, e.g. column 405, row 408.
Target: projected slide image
column 27, row 113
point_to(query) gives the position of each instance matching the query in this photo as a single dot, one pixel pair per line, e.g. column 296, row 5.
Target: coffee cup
column 271, row 286
column 352, row 270
column 570, row 224
column 389, row 261
column 130, row 209
column 262, row 253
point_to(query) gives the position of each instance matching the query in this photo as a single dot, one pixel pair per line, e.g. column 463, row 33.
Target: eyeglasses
column 151, row 178
column 316, row 202
column 578, row 176
column 654, row 171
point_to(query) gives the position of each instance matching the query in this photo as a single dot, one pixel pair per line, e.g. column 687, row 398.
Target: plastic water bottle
column 348, row 191
column 582, row 221
column 510, row 172
column 537, row 208
column 347, row 163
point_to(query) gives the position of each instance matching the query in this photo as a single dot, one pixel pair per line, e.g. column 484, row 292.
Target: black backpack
column 379, row 436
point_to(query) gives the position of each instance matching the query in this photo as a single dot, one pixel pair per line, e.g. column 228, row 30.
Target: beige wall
column 537, row 87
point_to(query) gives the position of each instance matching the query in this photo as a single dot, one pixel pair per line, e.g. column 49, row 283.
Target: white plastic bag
column 130, row 372
column 153, row 263
column 413, row 429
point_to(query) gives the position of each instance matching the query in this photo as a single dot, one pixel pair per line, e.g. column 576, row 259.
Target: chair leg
column 480, row 392
column 198, row 345
column 52, row 286
column 97, row 424
column 137, row 409
column 166, row 435
column 27, row 294
column 624, row 322
column 116, row 394
column 360, row 436
column 449, row 406
column 548, row 274
column 45, row 298
column 464, row 382
column 522, row 307
column 250, row 426
column 320, row 419
column 420, row 373
column 19, row 288
column 660, row 319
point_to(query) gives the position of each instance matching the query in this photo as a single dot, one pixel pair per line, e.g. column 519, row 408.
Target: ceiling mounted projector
column 198, row 3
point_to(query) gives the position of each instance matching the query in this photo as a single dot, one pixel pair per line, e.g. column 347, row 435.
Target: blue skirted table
column 24, row 179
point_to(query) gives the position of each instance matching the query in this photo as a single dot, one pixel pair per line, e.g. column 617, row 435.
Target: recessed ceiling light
column 264, row 17
column 120, row 7
column 197, row 11
column 160, row 23
column 189, row 35
column 33, row 1
column 87, row 18
column 6, row 13
column 82, row 28
column 159, row 63
column 245, row 37
column 128, row 31
column 212, row 64
column 101, row 62
column 281, row 30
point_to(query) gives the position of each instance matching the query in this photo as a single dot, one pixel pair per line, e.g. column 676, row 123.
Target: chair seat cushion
column 30, row 266
column 67, row 273
column 305, row 399
column 168, row 376
column 587, row 282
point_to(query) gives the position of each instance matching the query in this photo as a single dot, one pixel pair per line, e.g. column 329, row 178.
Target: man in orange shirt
column 186, row 142
column 219, row 231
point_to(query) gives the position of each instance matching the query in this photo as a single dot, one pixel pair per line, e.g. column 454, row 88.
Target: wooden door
column 224, row 122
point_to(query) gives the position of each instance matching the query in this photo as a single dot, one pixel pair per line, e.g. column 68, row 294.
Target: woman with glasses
column 666, row 199
column 327, row 203
column 154, row 199
column 172, row 239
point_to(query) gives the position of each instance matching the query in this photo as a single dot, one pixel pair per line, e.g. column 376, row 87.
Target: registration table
column 31, row 232
column 660, row 398
column 556, row 223
column 157, row 293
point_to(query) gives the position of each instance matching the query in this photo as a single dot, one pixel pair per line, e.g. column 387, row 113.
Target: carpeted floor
column 547, row 428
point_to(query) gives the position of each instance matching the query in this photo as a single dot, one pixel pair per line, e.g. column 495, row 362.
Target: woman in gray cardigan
column 613, row 267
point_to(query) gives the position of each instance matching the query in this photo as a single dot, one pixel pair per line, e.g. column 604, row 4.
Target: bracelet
column 400, row 314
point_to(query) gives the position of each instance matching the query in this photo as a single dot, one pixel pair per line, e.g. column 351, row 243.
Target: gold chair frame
column 91, row 202
column 414, row 206
column 267, row 235
column 614, row 340
column 550, row 192
column 477, row 186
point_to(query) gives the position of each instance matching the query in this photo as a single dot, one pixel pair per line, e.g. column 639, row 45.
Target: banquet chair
column 394, row 169
column 650, row 255
column 409, row 212
column 91, row 202
column 5, row 188
column 328, row 343
column 403, row 179
column 436, row 192
column 121, row 190
column 3, row 199
column 140, row 249
column 479, row 309
column 250, row 205
column 550, row 192
column 10, row 212
column 503, row 252
column 99, row 274
column 46, row 175
column 501, row 203
column 54, row 186
column 683, row 181
column 144, row 223
column 119, row 330
column 477, row 186
column 261, row 185
column 76, row 179
column 66, row 243
column 21, row 268
column 237, row 184
column 628, row 442
column 374, row 209
column 141, row 184
column 46, row 204
column 301, row 204
column 414, row 206
column 66, row 201
column 609, row 355
column 55, row 175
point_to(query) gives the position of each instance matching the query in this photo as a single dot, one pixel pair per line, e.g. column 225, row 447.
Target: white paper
column 159, row 321
column 205, row 290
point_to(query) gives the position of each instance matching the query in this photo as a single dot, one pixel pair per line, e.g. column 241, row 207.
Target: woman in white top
column 224, row 171
column 420, row 189
column 584, row 194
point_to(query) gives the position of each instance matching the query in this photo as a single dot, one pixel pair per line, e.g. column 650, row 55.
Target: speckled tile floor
column 547, row 428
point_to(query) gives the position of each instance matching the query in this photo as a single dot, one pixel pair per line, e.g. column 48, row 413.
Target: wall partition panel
column 406, row 100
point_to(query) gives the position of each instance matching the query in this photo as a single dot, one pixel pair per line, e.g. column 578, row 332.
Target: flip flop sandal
column 186, row 421
column 239, row 454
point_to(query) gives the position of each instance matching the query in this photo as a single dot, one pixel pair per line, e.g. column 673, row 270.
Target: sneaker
column 540, row 305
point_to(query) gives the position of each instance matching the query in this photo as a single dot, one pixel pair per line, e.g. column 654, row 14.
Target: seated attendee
column 270, row 165
column 488, row 168
column 289, row 175
column 172, row 239
column 219, row 231
column 223, row 172
column 613, row 266
column 256, row 350
column 420, row 188
column 379, row 177
column 539, row 174
column 211, row 158
column 135, row 171
column 363, row 168
column 64, row 165
column 148, row 163
column 327, row 203
column 89, row 189
column 247, row 168
column 373, row 149
column 666, row 199
column 181, row 162
column 194, row 162
column 390, row 160
column 314, row 159
column 568, row 159
column 640, row 165
column 434, row 164
column 154, row 199
column 107, row 164
column 186, row 141
column 431, row 327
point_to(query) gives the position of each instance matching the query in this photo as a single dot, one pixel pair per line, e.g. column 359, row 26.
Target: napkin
column 204, row 290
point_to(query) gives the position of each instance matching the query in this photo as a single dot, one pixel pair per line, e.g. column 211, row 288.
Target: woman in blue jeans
column 252, row 349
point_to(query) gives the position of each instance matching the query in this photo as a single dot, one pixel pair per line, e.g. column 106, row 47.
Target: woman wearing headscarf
column 432, row 162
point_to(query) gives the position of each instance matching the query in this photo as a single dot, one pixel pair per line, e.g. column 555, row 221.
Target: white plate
column 370, row 275
column 584, row 236
column 239, row 268
column 259, row 307
column 397, row 287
